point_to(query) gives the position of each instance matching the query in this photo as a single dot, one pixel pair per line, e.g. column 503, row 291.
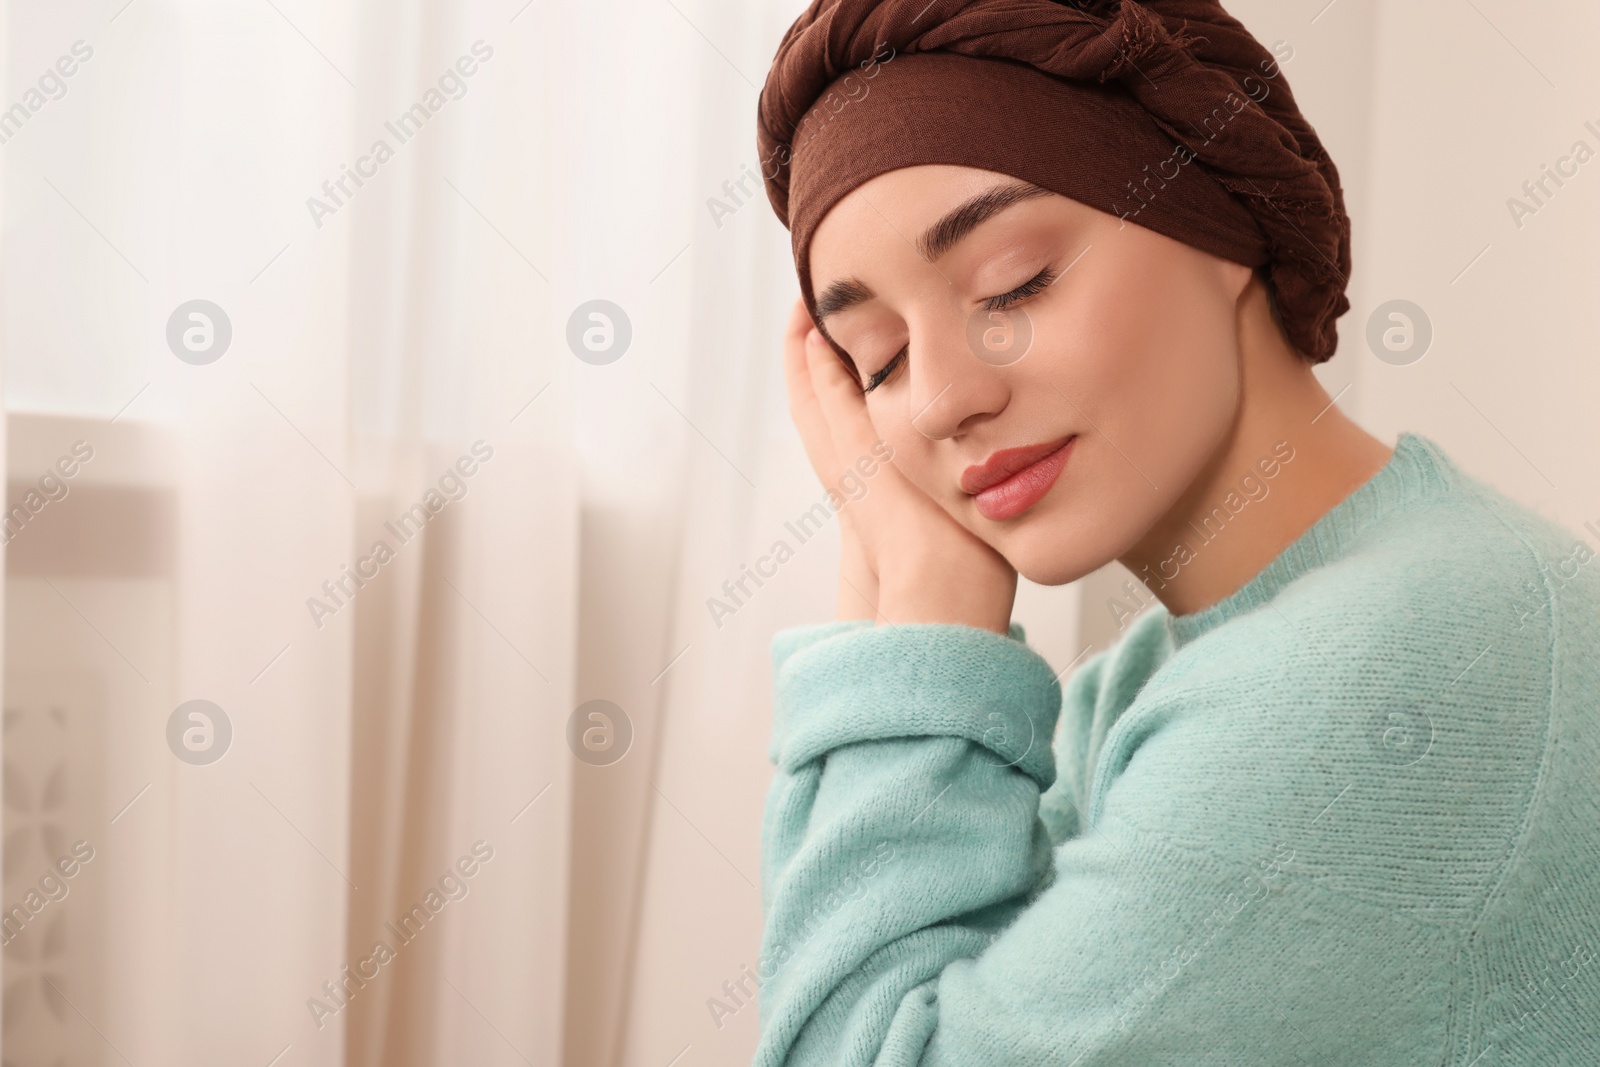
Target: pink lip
column 1014, row 479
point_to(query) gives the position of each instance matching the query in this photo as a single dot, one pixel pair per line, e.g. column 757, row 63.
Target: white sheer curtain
column 397, row 346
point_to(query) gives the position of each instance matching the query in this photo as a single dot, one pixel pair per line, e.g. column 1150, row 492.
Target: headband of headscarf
column 1167, row 113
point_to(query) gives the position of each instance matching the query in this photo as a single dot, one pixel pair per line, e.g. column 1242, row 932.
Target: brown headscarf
column 1167, row 113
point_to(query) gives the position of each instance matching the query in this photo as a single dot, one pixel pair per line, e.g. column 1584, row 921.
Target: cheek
column 912, row 451
column 1150, row 374
column 1161, row 376
column 914, row 454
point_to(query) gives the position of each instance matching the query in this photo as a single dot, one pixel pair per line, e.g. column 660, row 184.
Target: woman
column 1329, row 798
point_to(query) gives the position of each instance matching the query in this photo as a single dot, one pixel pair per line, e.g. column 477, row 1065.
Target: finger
column 799, row 320
column 797, row 376
column 841, row 401
column 804, row 409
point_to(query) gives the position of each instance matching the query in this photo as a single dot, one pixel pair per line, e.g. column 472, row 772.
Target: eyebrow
column 935, row 241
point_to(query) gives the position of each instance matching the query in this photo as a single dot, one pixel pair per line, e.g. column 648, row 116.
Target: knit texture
column 1346, row 816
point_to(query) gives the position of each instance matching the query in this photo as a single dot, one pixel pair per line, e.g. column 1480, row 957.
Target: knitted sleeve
column 901, row 828
column 917, row 911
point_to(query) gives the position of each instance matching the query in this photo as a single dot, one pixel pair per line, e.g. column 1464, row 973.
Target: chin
column 1053, row 549
column 1056, row 568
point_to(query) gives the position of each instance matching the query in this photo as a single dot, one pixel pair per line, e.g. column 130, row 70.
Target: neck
column 1289, row 457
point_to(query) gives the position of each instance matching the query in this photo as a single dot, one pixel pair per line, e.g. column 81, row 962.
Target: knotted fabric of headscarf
column 1166, row 113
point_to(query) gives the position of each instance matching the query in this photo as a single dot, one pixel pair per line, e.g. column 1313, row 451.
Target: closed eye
column 1030, row 288
column 1033, row 287
column 887, row 369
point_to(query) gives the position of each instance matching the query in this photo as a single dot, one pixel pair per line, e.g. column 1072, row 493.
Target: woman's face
column 1020, row 323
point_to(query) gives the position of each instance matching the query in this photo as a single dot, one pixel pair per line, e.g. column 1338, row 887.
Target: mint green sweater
column 1347, row 816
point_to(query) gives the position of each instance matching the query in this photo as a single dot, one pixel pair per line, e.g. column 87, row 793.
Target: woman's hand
column 904, row 559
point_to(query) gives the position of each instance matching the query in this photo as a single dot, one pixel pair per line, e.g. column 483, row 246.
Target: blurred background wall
column 526, row 683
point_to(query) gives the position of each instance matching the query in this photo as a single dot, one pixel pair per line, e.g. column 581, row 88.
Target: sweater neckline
column 1417, row 468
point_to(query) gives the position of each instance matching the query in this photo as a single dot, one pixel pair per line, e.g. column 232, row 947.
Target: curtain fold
column 393, row 766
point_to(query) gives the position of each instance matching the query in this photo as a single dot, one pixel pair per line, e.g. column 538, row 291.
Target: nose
column 951, row 388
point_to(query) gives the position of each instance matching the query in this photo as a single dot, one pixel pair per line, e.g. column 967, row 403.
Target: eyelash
column 1033, row 287
column 1030, row 288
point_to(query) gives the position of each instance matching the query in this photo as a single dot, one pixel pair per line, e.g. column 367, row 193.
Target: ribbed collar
column 1418, row 468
